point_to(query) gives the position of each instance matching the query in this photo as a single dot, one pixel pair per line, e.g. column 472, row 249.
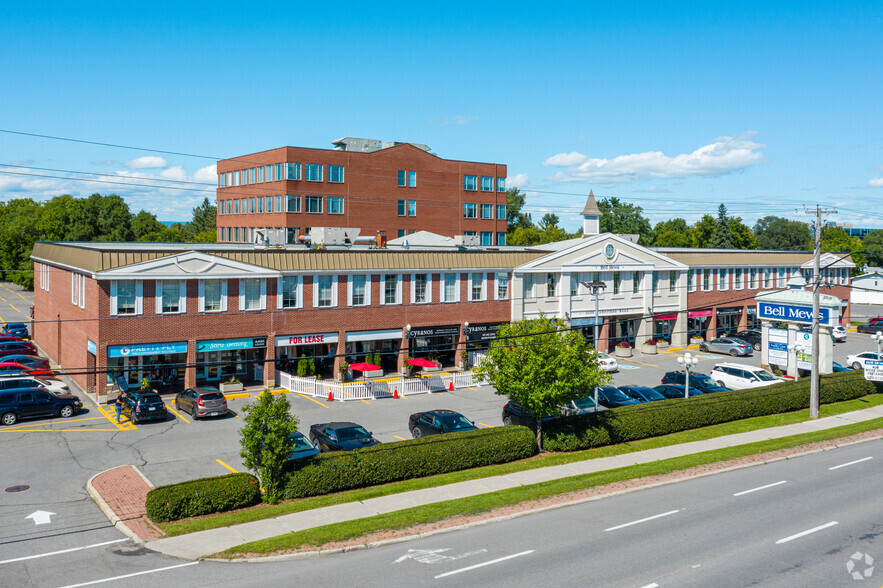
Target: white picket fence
column 386, row 388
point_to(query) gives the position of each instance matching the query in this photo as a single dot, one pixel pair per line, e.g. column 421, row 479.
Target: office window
column 324, row 291
column 501, row 239
column 292, row 171
column 229, row 180
column 251, row 175
column 450, row 292
column 412, row 179
column 502, row 286
column 403, row 174
column 672, row 280
column 268, row 205
column 289, row 295
column 236, row 206
column 220, row 205
column 706, row 279
column 236, row 177
column 314, row 204
column 170, row 296
column 314, row 172
column 723, row 279
column 616, row 282
column 691, row 287
column 469, row 210
column 279, row 204
column 487, row 211
column 335, row 174
column 636, row 282
column 391, row 289
column 221, row 179
column 278, row 167
column 260, row 204
column 469, row 182
column 420, row 289
column 470, row 233
column 476, row 286
column 212, row 295
column 501, row 211
column 252, row 294
column 412, row 208
column 292, row 203
column 259, row 175
column 335, row 205
column 403, row 207
column 737, row 278
column 236, row 234
column 487, row 238
column 487, row 184
column 251, row 205
column 359, row 290
column 229, row 233
column 125, row 297
column 229, row 206
column 268, row 173
column 501, row 184
column 401, row 233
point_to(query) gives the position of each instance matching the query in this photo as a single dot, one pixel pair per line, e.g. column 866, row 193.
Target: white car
column 857, row 361
column 54, row 386
column 838, row 333
column 607, row 363
column 739, row 376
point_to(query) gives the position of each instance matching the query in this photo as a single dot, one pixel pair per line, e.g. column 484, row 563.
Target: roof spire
column 591, row 208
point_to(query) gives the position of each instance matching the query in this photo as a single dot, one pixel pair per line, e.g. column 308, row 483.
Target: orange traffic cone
column 451, row 385
column 330, row 395
column 395, row 392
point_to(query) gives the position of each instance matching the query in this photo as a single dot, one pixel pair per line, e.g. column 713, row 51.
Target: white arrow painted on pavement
column 420, row 553
column 432, row 556
column 41, row 517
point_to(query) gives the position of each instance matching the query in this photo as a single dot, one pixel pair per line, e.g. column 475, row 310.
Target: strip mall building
column 187, row 314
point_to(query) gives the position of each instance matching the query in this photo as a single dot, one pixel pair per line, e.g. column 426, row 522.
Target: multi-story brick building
column 397, row 188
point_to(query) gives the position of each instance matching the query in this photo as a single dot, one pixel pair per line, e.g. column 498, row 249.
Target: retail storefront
column 623, row 329
column 435, row 343
column 728, row 320
column 663, row 326
column 587, row 326
column 319, row 347
column 386, row 343
column 222, row 359
column 479, row 337
column 161, row 363
column 697, row 322
column 753, row 321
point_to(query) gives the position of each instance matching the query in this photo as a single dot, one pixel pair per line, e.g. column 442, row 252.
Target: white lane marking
column 843, row 465
column 487, row 563
column 665, row 514
column 760, row 488
column 807, row 532
column 653, row 585
column 6, row 561
column 189, row 563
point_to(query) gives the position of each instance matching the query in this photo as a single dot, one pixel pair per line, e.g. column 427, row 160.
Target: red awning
column 666, row 317
column 699, row 313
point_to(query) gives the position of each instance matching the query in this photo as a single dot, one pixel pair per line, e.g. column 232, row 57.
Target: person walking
column 119, row 407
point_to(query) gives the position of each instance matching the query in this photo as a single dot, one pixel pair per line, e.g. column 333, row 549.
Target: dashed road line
column 101, row 581
column 760, row 488
column 226, row 466
column 805, row 533
column 644, row 520
column 481, row 565
column 843, row 465
column 27, row 557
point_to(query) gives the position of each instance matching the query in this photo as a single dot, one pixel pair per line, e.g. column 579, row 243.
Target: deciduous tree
column 624, row 219
column 266, row 441
column 775, row 232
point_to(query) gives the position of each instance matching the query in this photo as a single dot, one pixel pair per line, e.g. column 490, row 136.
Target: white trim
column 483, row 294
column 113, row 298
column 350, row 291
column 497, row 285
column 233, row 269
column 316, row 290
column 374, row 335
column 139, row 297
column 157, row 296
column 413, row 294
column 398, row 292
column 441, row 287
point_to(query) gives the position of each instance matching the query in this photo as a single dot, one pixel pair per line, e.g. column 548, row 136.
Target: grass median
column 474, row 505
column 270, row 511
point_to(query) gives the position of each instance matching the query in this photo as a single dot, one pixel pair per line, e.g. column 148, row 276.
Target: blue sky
column 678, row 107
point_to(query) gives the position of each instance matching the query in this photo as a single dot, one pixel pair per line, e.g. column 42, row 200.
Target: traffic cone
column 395, row 392
column 330, row 395
column 451, row 385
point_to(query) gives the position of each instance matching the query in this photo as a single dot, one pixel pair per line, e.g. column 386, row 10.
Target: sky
column 767, row 107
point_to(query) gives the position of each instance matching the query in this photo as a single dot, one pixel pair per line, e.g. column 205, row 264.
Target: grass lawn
column 264, row 511
column 403, row 519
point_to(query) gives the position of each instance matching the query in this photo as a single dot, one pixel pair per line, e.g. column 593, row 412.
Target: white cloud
column 518, row 181
column 453, row 120
column 208, row 174
column 876, row 182
column 174, row 173
column 147, row 162
column 654, row 190
column 723, row 156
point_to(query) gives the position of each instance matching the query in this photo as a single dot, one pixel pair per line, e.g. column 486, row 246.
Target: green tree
column 721, row 237
column 837, row 239
column 55, row 220
column 204, row 217
column 266, row 442
column 775, row 232
column 542, row 364
column 145, row 227
column 672, row 233
column 514, row 217
column 873, row 244
column 702, row 231
column 625, row 219
column 18, row 232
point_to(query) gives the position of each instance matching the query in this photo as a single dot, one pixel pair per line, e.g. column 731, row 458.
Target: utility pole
column 816, row 284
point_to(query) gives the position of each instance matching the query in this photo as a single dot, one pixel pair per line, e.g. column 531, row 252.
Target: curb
column 109, row 513
column 237, row 395
column 309, row 554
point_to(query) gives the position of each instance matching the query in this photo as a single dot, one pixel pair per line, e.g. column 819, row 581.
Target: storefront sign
column 874, row 370
column 804, row 359
column 734, row 310
column 778, row 347
column 586, row 322
column 699, row 313
column 91, row 347
column 666, row 317
column 314, row 339
column 447, row 331
column 788, row 312
column 225, row 344
column 482, row 332
column 146, row 349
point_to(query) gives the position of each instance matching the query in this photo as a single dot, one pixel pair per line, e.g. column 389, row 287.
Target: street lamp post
column 688, row 361
column 878, row 339
column 595, row 289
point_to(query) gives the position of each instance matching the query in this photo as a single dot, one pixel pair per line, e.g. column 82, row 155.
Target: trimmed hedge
column 202, row 496
column 630, row 423
column 403, row 460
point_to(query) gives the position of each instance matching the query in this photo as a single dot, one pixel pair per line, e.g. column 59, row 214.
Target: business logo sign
column 790, row 313
column 313, row 339
column 860, row 566
column 227, row 344
column 146, row 349
column 91, row 347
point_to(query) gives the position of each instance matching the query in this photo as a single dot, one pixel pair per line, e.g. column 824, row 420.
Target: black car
column 751, row 336
column 613, row 397
column 515, row 414
column 701, row 382
column 26, row 403
column 434, row 422
column 871, row 327
column 17, row 330
column 142, row 406
column 641, row 393
column 675, row 390
column 341, row 436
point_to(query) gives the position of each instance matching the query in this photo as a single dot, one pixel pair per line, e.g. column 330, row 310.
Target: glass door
column 212, row 367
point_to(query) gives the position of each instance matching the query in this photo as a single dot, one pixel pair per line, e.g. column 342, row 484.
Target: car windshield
column 585, row 403
column 453, row 422
column 210, row 395
column 616, row 395
column 301, row 443
column 702, row 380
column 15, row 326
column 603, row 355
column 650, row 394
column 150, row 399
column 765, row 376
column 351, row 433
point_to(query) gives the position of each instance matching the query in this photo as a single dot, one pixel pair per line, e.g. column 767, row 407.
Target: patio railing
column 383, row 388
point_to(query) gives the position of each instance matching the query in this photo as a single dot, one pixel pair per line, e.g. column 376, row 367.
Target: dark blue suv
column 701, row 382
column 26, row 403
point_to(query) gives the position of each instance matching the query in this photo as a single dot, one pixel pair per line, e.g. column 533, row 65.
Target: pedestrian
column 119, row 406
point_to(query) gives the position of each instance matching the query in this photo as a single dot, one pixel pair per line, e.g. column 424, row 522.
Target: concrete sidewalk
column 205, row 543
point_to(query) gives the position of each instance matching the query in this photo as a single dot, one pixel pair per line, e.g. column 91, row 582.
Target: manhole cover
column 19, row 488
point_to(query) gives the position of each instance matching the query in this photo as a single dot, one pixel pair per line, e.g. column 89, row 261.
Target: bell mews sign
column 791, row 313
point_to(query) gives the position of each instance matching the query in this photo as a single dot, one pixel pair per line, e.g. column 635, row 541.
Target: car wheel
column 856, row 366
column 703, row 347
column 66, row 411
column 194, row 413
column 507, row 420
column 756, row 346
column 721, row 383
column 734, row 353
column 416, row 432
column 10, row 418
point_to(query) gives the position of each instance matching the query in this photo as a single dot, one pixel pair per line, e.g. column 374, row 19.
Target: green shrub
column 653, row 419
column 403, row 460
column 202, row 496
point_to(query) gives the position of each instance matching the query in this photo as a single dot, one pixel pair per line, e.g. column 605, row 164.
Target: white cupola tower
column 591, row 217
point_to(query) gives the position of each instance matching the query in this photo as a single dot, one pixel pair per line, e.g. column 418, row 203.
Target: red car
column 17, row 348
column 12, row 368
column 4, row 338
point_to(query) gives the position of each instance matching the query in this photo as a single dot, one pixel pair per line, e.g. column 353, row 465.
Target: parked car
column 17, row 330
column 838, row 333
column 676, row 390
column 142, row 405
column 32, row 361
column 4, row 338
column 872, row 327
column 607, row 363
column 739, row 376
column 303, row 448
column 838, row 368
column 730, row 345
column 700, row 382
column 515, row 414
column 54, row 386
column 201, row 402
column 857, row 361
column 341, row 436
column 612, row 397
column 8, row 348
column 11, row 368
column 641, row 393
column 584, row 405
column 17, row 404
column 434, row 422
column 751, row 336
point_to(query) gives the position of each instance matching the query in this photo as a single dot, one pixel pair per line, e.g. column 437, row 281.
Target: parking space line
column 27, row 557
column 124, row 425
column 313, row 399
column 636, row 361
column 22, row 297
column 101, row 581
column 399, row 438
column 365, row 401
column 226, row 466
column 3, row 299
column 484, row 425
column 177, row 414
column 44, row 424
column 12, row 306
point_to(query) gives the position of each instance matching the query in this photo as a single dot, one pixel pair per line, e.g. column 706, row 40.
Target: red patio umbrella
column 420, row 362
column 364, row 366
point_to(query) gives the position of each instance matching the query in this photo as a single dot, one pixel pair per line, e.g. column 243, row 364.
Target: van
column 740, row 376
column 26, row 403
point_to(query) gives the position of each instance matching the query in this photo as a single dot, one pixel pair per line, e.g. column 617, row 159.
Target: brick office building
column 397, row 188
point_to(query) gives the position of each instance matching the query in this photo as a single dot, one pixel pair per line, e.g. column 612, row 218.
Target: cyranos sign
column 789, row 313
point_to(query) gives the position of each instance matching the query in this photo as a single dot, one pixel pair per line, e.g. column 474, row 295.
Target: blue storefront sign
column 586, row 322
column 146, row 349
column 790, row 313
column 91, row 347
column 225, row 344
